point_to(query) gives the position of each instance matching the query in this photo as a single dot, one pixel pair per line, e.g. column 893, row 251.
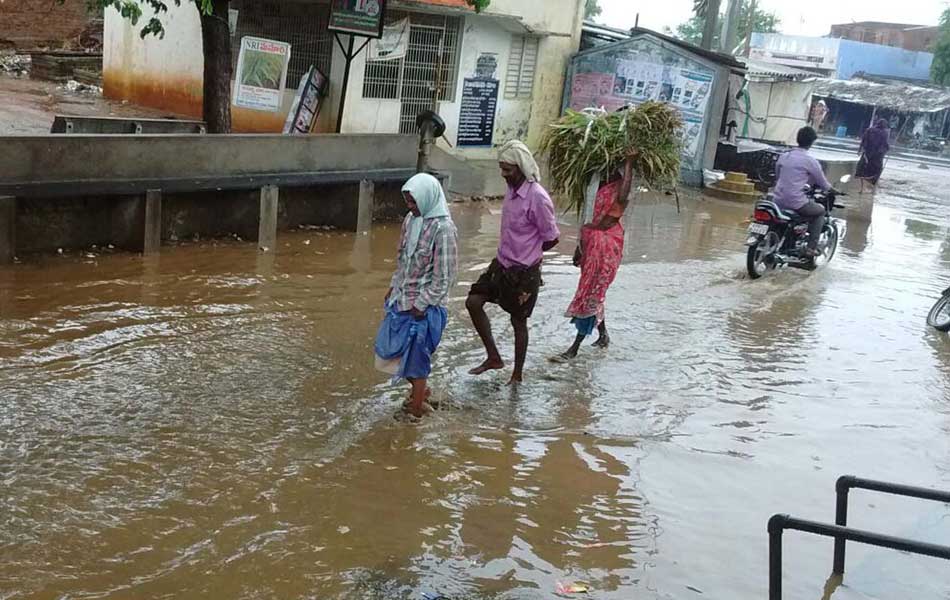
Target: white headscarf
column 516, row 153
column 427, row 193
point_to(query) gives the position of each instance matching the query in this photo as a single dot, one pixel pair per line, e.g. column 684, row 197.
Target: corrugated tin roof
column 899, row 98
column 766, row 70
column 727, row 60
column 621, row 35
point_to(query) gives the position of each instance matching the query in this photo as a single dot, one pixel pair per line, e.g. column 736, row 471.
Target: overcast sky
column 799, row 17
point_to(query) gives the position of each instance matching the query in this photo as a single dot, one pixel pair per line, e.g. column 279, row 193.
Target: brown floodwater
column 209, row 424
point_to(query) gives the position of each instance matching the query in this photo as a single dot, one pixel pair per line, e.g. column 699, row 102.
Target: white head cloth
column 516, row 153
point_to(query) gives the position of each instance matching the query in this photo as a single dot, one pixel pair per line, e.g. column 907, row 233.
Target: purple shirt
column 795, row 170
column 527, row 221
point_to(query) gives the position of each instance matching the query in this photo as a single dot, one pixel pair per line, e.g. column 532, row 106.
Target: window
column 302, row 25
column 411, row 78
column 522, row 64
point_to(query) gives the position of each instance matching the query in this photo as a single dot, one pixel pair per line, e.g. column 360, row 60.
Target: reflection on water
column 208, row 422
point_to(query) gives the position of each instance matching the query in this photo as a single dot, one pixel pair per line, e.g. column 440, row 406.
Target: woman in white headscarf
column 415, row 304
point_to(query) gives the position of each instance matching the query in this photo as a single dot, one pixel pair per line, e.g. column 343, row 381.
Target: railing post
column 153, row 222
column 7, row 229
column 842, row 488
column 267, row 226
column 776, row 527
column 365, row 207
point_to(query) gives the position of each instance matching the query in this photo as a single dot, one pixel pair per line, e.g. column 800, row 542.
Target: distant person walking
column 818, row 115
column 874, row 148
column 599, row 256
column 513, row 280
column 426, row 270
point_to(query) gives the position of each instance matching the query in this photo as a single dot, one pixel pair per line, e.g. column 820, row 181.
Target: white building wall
column 480, row 35
column 557, row 17
column 160, row 72
column 167, row 73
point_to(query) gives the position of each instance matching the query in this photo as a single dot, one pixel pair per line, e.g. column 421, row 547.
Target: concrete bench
column 137, row 219
column 78, row 190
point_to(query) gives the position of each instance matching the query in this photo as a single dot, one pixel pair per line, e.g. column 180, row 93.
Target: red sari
column 602, row 252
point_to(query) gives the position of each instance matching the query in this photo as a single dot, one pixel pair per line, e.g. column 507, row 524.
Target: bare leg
column 420, row 392
column 521, row 348
column 573, row 350
column 476, row 310
column 603, row 341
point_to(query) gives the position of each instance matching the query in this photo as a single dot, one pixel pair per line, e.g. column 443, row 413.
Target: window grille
column 411, row 79
column 302, row 25
column 522, row 65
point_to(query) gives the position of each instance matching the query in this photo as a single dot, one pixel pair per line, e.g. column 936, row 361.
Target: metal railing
column 843, row 534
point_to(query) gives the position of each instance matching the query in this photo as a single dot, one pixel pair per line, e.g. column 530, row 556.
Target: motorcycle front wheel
column 828, row 244
column 939, row 316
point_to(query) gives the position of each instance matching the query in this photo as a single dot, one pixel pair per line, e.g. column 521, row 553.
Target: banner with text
column 477, row 112
column 261, row 74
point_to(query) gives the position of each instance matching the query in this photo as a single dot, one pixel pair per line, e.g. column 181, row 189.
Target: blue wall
column 872, row 59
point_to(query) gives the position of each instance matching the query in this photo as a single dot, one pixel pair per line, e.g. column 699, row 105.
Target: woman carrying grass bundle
column 599, row 255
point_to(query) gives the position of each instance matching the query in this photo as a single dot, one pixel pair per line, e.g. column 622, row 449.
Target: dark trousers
column 814, row 213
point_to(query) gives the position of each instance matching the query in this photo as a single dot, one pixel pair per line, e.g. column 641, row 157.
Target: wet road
column 27, row 106
column 209, row 423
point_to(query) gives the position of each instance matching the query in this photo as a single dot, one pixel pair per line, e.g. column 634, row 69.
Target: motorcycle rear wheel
column 939, row 316
column 758, row 260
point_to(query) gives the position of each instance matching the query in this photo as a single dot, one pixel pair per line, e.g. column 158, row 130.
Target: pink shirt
column 796, row 169
column 527, row 221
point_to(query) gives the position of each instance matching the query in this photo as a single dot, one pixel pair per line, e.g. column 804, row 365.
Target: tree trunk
column 712, row 20
column 216, row 41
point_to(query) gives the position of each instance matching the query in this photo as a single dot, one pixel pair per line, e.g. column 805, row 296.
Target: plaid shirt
column 426, row 279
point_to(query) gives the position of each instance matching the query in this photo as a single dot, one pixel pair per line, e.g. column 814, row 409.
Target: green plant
column 132, row 10
column 592, row 9
column 582, row 144
column 940, row 70
column 479, row 5
column 751, row 20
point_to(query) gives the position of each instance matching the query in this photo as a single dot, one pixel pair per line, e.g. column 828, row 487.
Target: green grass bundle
column 582, row 144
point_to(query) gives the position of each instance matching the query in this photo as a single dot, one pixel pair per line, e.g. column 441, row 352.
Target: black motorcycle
column 939, row 316
column 779, row 237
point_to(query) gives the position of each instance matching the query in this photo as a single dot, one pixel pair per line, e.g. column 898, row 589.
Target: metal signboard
column 358, row 17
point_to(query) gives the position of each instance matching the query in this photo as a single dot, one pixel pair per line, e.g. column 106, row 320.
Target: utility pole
column 731, row 26
column 712, row 19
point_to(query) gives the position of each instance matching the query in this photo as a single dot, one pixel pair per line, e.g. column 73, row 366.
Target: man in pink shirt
column 528, row 229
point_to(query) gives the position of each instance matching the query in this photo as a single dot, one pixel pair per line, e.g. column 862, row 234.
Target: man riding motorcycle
column 795, row 171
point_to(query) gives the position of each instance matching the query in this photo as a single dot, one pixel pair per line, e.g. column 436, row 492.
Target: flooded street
column 209, row 423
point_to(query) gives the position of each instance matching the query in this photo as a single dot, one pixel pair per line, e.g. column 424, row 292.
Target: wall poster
column 477, row 112
column 306, row 107
column 261, row 74
column 642, row 70
column 358, row 17
column 394, row 43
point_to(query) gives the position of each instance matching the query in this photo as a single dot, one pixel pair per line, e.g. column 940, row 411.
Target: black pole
column 776, row 526
column 842, row 487
column 348, row 56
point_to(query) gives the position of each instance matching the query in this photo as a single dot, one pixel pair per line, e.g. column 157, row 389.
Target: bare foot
column 602, row 342
column 488, row 365
column 408, row 401
column 515, row 380
column 411, row 415
column 565, row 357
